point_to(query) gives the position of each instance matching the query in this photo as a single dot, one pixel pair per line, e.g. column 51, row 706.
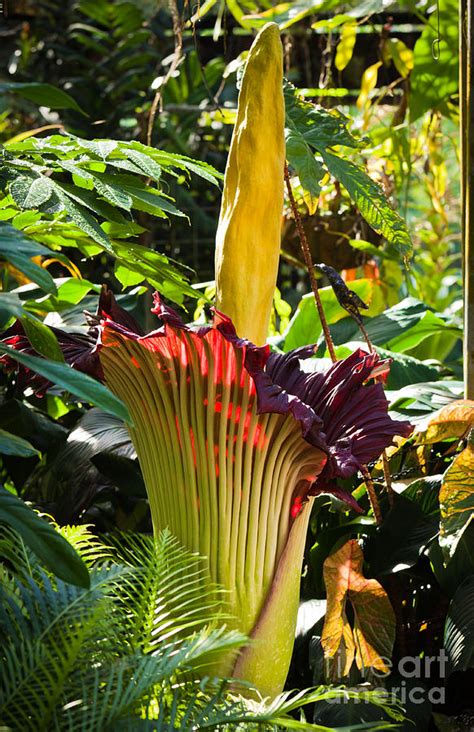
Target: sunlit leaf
column 371, row 202
column 368, row 84
column 452, row 421
column 457, row 499
column 459, row 628
column 345, row 47
column 402, row 56
column 373, row 634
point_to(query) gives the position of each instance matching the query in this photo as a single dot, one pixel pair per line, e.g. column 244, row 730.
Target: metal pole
column 466, row 96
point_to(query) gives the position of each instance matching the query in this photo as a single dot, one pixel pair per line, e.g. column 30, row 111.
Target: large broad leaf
column 19, row 249
column 82, row 386
column 406, row 531
column 14, row 445
column 42, row 338
column 399, row 328
column 371, row 202
column 459, row 628
column 405, row 370
column 49, row 546
column 450, row 422
column 44, row 94
column 434, row 81
column 460, row 566
column 457, row 499
column 424, row 492
column 371, row 640
column 305, row 326
column 419, row 400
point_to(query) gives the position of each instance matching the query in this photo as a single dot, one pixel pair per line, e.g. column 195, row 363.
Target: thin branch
column 178, row 52
column 310, row 266
column 374, row 501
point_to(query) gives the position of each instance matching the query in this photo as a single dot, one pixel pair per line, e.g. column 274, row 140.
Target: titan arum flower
column 235, row 441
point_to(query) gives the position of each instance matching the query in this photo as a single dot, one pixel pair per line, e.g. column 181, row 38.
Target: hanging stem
column 309, row 264
column 178, row 51
column 374, row 501
column 388, row 478
column 385, row 463
column 366, row 336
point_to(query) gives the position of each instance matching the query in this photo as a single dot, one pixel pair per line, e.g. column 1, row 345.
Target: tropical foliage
column 116, row 126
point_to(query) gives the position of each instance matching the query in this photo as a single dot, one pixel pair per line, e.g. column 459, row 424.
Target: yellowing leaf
column 456, row 499
column 368, row 84
column 453, row 420
column 402, row 56
column 373, row 634
column 345, row 47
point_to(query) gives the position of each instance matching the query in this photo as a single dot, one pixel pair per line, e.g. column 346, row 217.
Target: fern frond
column 90, row 547
column 15, row 556
column 176, row 594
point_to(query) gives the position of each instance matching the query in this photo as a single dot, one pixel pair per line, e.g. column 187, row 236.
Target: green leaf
column 42, row 338
column 371, row 202
column 305, row 327
column 13, row 445
column 18, row 249
column 38, row 193
column 113, row 193
column 101, row 148
column 49, row 546
column 405, row 370
column 10, row 306
column 321, row 129
column 433, row 82
column 425, row 493
column 77, row 214
column 459, row 628
column 82, row 386
column 126, row 276
column 457, row 499
column 399, row 328
column 44, row 94
column 145, row 162
column 160, row 272
column 301, row 158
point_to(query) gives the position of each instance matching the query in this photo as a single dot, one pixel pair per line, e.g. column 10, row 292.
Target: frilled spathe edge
column 337, row 410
